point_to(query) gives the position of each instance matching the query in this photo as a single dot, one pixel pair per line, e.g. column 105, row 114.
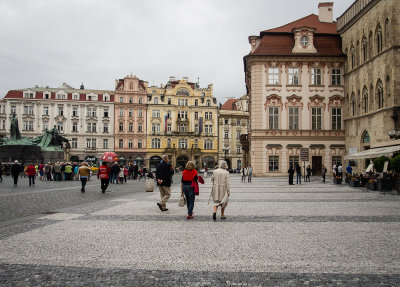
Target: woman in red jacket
column 31, row 171
column 188, row 176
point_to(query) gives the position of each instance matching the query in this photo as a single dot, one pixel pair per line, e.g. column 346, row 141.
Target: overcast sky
column 48, row 42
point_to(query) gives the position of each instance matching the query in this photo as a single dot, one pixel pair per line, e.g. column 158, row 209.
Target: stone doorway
column 316, row 165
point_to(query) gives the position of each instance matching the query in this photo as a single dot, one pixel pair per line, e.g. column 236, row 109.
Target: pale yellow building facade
column 182, row 123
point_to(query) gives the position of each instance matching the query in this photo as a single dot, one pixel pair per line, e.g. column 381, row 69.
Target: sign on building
column 304, row 154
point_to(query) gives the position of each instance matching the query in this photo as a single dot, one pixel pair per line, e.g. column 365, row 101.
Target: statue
column 50, row 139
column 15, row 134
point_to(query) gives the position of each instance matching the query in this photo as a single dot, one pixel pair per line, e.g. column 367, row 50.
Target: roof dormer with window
column 304, row 40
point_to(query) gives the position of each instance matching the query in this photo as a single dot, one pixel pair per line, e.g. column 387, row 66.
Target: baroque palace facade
column 294, row 77
column 182, row 123
column 370, row 32
column 85, row 117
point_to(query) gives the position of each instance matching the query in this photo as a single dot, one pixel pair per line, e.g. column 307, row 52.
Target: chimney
column 325, row 12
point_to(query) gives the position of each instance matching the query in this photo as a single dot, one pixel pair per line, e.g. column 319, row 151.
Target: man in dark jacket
column 164, row 174
column 115, row 171
column 15, row 170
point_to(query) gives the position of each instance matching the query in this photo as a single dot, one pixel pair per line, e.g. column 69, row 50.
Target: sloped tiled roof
column 311, row 21
column 229, row 105
column 280, row 45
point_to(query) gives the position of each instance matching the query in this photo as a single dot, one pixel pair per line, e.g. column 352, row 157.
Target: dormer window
column 303, row 40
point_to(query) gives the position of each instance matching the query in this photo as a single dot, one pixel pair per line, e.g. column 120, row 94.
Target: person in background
column 31, row 171
column 188, row 176
column 83, row 173
column 15, row 170
column 298, row 173
column 102, row 174
column 126, row 172
column 323, row 172
column 68, row 172
column 37, row 169
column 250, row 172
column 220, row 186
column 121, row 174
column 340, row 170
column 41, row 171
column 76, row 171
column 308, row 170
column 349, row 170
column 291, row 174
column 115, row 171
column 244, row 173
column 164, row 173
column 1, row 172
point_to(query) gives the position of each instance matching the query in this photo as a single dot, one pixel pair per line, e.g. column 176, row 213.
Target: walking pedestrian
column 309, row 170
column 102, row 174
column 323, row 172
column 126, row 172
column 188, row 176
column 250, row 173
column 41, row 171
column 220, row 188
column 244, row 173
column 15, row 170
column 31, row 171
column 164, row 173
column 291, row 174
column 298, row 173
column 68, row 171
column 115, row 172
column 83, row 173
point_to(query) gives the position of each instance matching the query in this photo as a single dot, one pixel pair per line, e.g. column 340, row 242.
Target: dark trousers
column 323, row 177
column 104, row 184
column 31, row 180
column 298, row 178
column 83, row 182
column 15, row 176
column 190, row 197
column 290, row 179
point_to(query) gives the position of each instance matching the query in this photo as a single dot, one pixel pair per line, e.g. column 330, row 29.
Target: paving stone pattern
column 313, row 234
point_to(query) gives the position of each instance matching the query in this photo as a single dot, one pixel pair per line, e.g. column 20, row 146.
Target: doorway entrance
column 316, row 165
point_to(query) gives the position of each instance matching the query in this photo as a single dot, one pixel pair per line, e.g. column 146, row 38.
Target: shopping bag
column 182, row 201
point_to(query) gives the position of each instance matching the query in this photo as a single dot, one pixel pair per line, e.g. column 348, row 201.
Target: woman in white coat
column 220, row 187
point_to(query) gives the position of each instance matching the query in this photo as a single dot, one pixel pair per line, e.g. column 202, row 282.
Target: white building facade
column 84, row 117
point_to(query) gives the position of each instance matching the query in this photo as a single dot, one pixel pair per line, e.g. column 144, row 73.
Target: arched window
column 155, row 143
column 353, row 57
column 365, row 138
column 378, row 39
column 182, row 143
column 208, row 103
column 365, row 100
column 370, row 46
column 364, row 49
column 196, row 143
column 208, row 144
column 379, row 94
column 168, row 143
column 353, row 104
column 156, row 100
column 130, row 86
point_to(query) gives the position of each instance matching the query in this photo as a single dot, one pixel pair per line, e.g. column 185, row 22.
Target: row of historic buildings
column 323, row 87
column 137, row 121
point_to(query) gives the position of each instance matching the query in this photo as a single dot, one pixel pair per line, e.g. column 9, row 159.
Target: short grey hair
column 222, row 164
column 164, row 157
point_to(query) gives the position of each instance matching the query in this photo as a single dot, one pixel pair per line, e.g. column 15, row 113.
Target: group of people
column 297, row 169
column 247, row 173
column 220, row 188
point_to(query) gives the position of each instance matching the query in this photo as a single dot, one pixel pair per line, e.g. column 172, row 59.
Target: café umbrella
column 109, row 156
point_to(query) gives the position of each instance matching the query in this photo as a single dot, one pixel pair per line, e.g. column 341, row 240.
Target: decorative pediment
column 316, row 100
column 273, row 100
column 335, row 101
column 293, row 100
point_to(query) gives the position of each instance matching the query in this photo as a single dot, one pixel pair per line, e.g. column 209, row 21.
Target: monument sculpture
column 49, row 146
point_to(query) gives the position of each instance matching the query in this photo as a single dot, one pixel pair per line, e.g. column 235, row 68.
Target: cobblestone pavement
column 312, row 234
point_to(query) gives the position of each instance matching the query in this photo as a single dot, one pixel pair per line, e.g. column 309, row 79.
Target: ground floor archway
column 209, row 162
column 154, row 162
column 181, row 161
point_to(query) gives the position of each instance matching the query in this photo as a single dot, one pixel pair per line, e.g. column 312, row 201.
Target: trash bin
column 149, row 184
